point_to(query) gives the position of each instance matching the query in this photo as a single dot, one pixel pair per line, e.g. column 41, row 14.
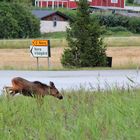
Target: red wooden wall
column 72, row 4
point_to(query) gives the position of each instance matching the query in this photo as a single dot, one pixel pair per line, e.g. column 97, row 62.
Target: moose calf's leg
column 9, row 91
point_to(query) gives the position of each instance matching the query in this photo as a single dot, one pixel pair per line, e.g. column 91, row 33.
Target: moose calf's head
column 54, row 91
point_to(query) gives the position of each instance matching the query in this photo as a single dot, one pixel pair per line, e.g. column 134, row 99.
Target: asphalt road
column 95, row 79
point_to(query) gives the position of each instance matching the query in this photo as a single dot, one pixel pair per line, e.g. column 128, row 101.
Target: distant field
column 122, row 58
column 82, row 115
column 132, row 41
column 15, row 54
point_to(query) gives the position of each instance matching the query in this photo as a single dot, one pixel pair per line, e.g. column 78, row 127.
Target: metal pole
column 37, row 63
column 48, row 63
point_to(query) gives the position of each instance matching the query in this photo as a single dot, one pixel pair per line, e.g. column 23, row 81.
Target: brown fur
column 33, row 89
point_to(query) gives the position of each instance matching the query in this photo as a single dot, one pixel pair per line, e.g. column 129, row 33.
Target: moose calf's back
column 36, row 88
column 21, row 84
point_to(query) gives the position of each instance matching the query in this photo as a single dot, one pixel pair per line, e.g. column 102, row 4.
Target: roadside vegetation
column 117, row 32
column 81, row 115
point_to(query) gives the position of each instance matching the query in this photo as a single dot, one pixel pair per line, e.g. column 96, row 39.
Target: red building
column 72, row 4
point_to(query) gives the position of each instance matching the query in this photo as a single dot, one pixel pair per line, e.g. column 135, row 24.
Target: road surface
column 94, row 79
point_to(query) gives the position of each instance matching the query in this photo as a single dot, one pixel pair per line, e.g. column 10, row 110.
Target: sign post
column 37, row 63
column 40, row 49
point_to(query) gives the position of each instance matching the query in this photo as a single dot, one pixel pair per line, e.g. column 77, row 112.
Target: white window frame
column 114, row 1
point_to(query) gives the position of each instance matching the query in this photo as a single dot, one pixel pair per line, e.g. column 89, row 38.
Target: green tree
column 17, row 22
column 11, row 30
column 25, row 2
column 86, row 48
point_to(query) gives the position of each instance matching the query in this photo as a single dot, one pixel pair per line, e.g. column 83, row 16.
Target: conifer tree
column 86, row 48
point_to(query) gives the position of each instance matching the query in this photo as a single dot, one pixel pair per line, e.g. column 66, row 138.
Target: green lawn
column 82, row 115
column 132, row 41
column 112, row 41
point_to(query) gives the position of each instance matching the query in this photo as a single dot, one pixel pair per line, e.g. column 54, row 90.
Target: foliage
column 130, row 1
column 8, row 27
column 17, row 22
column 113, row 20
column 86, row 48
column 82, row 115
column 25, row 2
column 134, row 25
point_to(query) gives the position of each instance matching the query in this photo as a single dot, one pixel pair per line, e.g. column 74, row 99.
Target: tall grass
column 26, row 43
column 82, row 115
column 110, row 41
column 132, row 41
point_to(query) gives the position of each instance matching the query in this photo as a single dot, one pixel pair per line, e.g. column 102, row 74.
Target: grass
column 120, row 67
column 82, row 115
column 56, row 35
column 26, row 43
column 122, row 41
column 110, row 41
column 120, row 34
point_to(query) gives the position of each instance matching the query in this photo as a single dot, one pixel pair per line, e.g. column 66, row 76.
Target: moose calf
column 33, row 89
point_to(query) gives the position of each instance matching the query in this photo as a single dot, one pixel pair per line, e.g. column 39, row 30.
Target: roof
column 45, row 13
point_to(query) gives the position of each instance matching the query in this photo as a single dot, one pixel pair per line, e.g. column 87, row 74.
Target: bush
column 130, row 23
column 113, row 20
column 134, row 25
column 130, row 1
column 17, row 22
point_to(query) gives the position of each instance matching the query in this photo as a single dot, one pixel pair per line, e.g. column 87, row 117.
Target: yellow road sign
column 40, row 42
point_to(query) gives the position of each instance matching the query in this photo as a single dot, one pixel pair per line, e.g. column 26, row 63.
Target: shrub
column 114, row 20
column 134, row 25
column 130, row 1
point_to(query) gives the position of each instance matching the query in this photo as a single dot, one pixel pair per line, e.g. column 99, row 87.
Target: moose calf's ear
column 52, row 84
